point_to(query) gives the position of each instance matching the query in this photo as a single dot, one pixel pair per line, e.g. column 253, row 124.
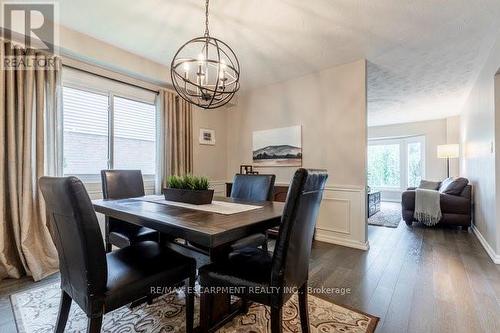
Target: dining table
column 214, row 227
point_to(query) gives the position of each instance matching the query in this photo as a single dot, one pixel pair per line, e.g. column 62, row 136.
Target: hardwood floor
column 415, row 279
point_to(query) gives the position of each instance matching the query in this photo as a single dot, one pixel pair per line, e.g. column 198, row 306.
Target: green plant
column 188, row 182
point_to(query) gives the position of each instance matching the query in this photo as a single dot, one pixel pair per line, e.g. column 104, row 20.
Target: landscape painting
column 278, row 147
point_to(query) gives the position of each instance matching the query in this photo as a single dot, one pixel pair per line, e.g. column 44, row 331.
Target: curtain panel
column 176, row 137
column 28, row 101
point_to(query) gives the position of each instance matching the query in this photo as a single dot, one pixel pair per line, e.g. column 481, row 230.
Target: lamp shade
column 448, row 151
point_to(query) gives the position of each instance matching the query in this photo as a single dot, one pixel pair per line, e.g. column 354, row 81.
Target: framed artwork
column 278, row 147
column 207, row 136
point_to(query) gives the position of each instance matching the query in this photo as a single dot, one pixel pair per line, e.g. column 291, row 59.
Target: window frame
column 111, row 139
column 403, row 158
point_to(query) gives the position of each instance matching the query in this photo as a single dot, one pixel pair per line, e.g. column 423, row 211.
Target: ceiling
column 423, row 56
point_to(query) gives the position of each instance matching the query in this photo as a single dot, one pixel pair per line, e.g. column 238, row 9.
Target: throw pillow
column 429, row 185
column 444, row 184
column 456, row 186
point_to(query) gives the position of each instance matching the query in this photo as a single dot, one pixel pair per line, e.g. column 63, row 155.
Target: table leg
column 216, row 309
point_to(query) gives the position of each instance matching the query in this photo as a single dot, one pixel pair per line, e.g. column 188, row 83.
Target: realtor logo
column 33, row 20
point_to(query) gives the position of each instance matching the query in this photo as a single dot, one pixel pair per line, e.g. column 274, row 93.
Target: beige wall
column 209, row 160
column 453, row 136
column 479, row 125
column 331, row 107
column 97, row 52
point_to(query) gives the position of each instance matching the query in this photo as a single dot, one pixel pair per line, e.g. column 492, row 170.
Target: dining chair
column 271, row 279
column 258, row 187
column 97, row 281
column 249, row 188
column 123, row 184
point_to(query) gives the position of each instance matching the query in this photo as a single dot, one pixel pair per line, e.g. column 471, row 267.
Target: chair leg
column 205, row 311
column 189, row 287
column 303, row 307
column 264, row 246
column 64, row 307
column 276, row 318
column 245, row 306
column 109, row 247
column 94, row 324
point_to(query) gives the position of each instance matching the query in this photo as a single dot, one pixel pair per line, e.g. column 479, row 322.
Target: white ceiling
column 423, row 55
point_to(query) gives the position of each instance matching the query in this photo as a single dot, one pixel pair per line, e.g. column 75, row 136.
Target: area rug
column 36, row 310
column 388, row 216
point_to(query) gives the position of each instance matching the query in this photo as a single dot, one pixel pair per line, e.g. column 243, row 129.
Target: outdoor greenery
column 188, row 182
column 414, row 164
column 383, row 166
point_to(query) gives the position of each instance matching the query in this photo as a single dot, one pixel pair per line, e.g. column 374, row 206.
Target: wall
column 453, row 136
column 210, row 160
column 331, row 107
column 479, row 123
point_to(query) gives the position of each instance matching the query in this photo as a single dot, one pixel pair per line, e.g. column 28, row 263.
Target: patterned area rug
column 388, row 216
column 36, row 312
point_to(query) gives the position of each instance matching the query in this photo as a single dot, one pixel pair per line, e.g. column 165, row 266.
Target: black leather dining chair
column 250, row 270
column 123, row 184
column 252, row 188
column 97, row 281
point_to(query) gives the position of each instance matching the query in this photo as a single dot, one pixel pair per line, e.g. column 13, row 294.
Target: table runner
column 219, row 207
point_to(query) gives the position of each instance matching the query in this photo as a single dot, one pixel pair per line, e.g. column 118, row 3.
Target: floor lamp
column 448, row 151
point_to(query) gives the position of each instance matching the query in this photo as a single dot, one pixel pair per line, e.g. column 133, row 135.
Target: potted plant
column 188, row 189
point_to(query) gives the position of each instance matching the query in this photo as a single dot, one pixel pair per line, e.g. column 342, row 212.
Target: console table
column 373, row 202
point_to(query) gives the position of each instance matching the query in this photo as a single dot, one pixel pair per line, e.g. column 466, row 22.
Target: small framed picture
column 207, row 136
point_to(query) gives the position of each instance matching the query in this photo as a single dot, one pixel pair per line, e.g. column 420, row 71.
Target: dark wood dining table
column 213, row 231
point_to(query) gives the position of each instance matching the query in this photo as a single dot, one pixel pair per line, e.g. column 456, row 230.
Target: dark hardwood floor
column 415, row 279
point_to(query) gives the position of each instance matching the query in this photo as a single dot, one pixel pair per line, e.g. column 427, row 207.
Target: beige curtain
column 176, row 131
column 27, row 95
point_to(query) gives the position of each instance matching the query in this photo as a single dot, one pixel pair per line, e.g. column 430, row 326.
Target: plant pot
column 195, row 197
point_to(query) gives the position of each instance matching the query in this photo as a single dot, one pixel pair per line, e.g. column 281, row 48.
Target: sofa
column 456, row 206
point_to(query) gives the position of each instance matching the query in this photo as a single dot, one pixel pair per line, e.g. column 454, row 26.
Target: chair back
column 78, row 239
column 122, row 184
column 253, row 187
column 293, row 245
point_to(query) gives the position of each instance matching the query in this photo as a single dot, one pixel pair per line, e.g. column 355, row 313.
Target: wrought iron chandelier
column 205, row 71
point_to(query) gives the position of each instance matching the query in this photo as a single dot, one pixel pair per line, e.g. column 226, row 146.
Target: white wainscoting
column 342, row 217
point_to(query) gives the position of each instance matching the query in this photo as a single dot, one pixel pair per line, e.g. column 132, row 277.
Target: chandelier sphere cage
column 205, row 71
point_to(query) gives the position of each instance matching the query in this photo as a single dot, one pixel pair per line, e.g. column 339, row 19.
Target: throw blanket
column 427, row 208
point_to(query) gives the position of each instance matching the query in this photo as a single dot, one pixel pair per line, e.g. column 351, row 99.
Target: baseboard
column 342, row 241
column 494, row 256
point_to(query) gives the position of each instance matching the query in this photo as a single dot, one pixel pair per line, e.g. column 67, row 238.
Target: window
column 105, row 130
column 395, row 163
column 383, row 165
column 414, row 164
column 85, row 134
column 134, row 135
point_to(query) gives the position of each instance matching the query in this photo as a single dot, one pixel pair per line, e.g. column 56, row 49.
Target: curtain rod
column 109, row 74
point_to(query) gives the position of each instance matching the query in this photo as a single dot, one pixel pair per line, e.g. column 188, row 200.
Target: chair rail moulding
column 342, row 217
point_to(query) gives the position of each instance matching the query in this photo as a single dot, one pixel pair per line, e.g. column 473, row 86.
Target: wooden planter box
column 201, row 197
